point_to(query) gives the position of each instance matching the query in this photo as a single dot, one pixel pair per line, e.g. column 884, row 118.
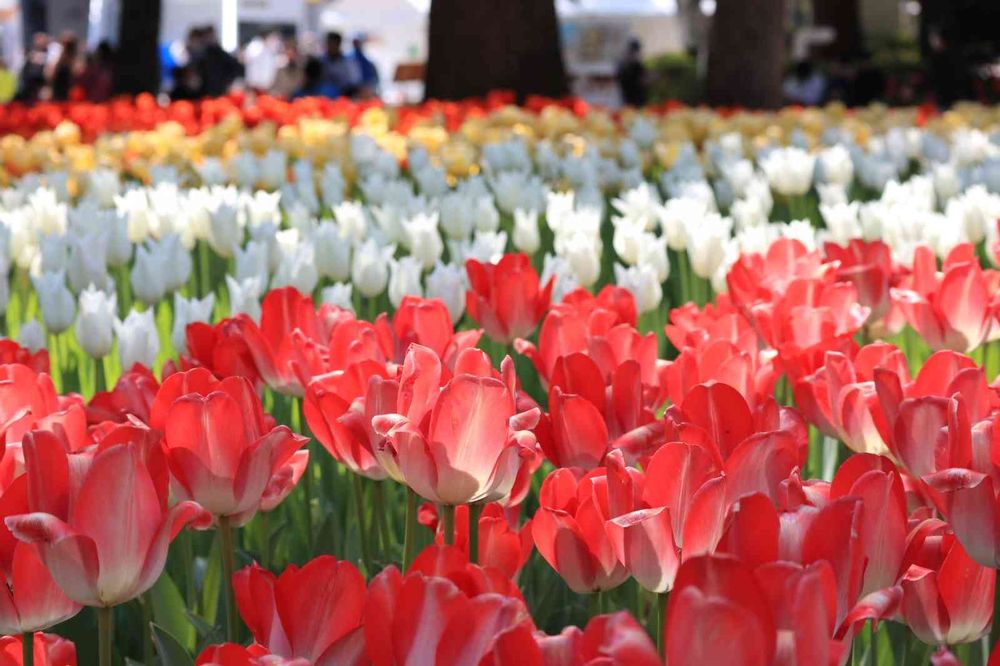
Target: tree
column 746, row 55
column 475, row 46
column 137, row 68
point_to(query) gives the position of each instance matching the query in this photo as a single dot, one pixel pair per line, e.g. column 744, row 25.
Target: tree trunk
column 842, row 16
column 476, row 46
column 137, row 67
column 746, row 54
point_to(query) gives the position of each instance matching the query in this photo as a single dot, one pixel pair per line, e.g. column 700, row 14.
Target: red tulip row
column 700, row 477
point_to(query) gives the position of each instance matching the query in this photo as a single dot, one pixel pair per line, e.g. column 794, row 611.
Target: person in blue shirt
column 314, row 84
column 364, row 68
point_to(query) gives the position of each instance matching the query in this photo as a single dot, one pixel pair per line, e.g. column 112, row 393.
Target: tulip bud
column 103, row 185
column 188, row 311
column 53, row 252
column 423, row 239
column 332, row 251
column 526, row 236
column 297, row 267
column 244, row 296
column 642, row 284
column 176, row 260
column 88, row 261
column 351, row 220
column 583, row 256
column 119, row 244
column 251, row 262
column 138, row 341
column 56, row 301
column 340, row 295
column 789, row 170
column 148, row 275
column 370, row 272
column 404, row 279
column 95, row 324
column 31, row 336
column 835, row 165
column 456, row 220
column 706, row 243
column 653, row 253
column 447, row 283
column 332, row 185
column 225, row 232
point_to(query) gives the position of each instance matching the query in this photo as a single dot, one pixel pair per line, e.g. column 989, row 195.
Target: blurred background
column 753, row 53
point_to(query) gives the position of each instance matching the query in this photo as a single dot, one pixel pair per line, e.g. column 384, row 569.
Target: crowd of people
column 269, row 63
column 196, row 67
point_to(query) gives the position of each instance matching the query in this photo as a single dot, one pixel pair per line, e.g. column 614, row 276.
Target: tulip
column 404, row 279
column 425, row 321
column 31, row 336
column 526, row 236
column 498, row 544
column 643, row 284
column 95, row 323
column 333, row 251
column 314, row 613
column 423, row 239
column 56, row 301
column 176, row 261
column 706, row 240
column 32, row 601
column 505, row 297
column 947, row 597
column 148, row 275
column 45, row 650
column 132, row 395
column 138, row 340
column 340, row 295
column 296, row 266
column 251, row 262
column 188, row 311
column 459, row 444
column 835, row 165
column 447, row 283
column 225, row 231
column 789, row 170
column 244, row 296
column 369, row 271
column 87, row 263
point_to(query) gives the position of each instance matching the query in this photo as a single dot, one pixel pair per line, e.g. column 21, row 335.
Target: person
column 632, row 75
column 216, row 68
column 261, row 61
column 314, row 84
column 97, row 78
column 289, row 78
column 337, row 77
column 31, row 81
column 63, row 73
column 804, row 85
column 366, row 71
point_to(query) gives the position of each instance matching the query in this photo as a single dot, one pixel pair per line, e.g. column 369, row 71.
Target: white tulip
column 789, row 170
column 332, row 252
column 485, row 214
column 31, row 336
column 447, row 283
column 187, row 311
column 148, row 275
column 404, row 279
column 88, row 261
column 628, row 237
column 351, row 220
column 653, row 253
column 832, row 194
column 54, row 253
column 641, row 282
column 485, row 247
column 55, row 299
column 119, row 244
column 332, row 185
column 103, row 185
column 841, row 221
column 456, row 219
column 423, row 239
column 706, row 240
column 272, row 169
column 675, row 214
column 526, row 236
column 339, row 294
column 211, row 171
column 225, row 232
column 583, row 255
column 95, row 324
column 138, row 341
column 836, row 165
column 266, row 234
column 244, row 296
column 369, row 270
column 251, row 262
column 557, row 267
column 297, row 268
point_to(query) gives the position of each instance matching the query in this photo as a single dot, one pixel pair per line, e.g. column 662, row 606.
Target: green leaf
column 170, row 613
column 171, row 652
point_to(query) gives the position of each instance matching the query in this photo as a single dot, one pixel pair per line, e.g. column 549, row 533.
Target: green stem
column 298, row 423
column 474, row 512
column 265, row 530
column 28, row 649
column 146, row 603
column 410, row 533
column 228, row 569
column 359, row 504
column 378, row 496
column 105, row 627
column 100, row 381
column 448, row 516
column 661, row 619
column 204, row 268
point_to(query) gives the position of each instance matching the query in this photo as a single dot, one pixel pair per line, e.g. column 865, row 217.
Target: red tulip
column 313, row 613
column 693, row 327
column 947, row 597
column 425, row 321
column 31, row 600
column 132, row 395
column 339, row 407
column 473, row 580
column 428, row 620
column 569, row 530
column 28, row 401
column 949, row 309
column 608, row 640
column 505, row 298
column 100, row 518
column 868, row 265
column 12, row 352
column 221, row 348
column 50, row 650
column 751, row 373
column 718, row 614
column 502, row 546
column 223, row 452
column 766, row 277
column 463, row 442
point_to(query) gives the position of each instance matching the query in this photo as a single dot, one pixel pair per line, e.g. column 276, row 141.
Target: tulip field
column 326, row 383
